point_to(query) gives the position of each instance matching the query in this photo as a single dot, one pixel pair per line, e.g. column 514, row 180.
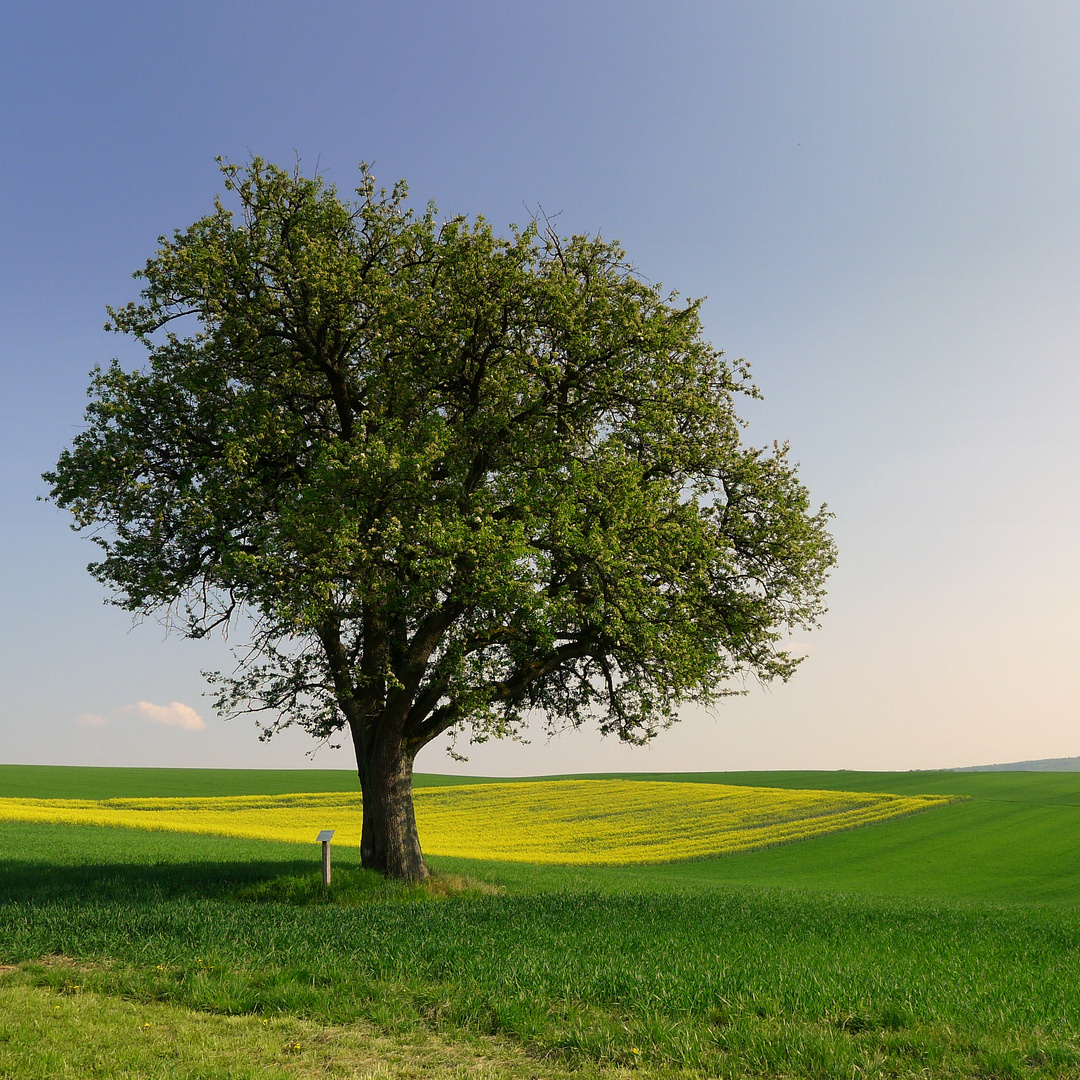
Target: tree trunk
column 389, row 842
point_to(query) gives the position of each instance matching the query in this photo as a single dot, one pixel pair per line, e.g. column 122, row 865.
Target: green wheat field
column 941, row 943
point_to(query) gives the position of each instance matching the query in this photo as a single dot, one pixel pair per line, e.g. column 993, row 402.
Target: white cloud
column 174, row 714
column 91, row 720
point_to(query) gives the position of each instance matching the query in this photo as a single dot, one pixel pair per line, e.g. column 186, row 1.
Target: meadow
column 564, row 822
column 937, row 944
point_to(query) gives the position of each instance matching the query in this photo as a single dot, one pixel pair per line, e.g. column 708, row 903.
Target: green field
column 942, row 944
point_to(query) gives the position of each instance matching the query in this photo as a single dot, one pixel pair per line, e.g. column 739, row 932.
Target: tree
column 450, row 479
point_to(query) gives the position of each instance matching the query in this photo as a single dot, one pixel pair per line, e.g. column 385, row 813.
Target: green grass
column 1016, row 840
column 941, row 945
column 74, row 782
column 716, row 980
column 90, row 782
column 69, row 1031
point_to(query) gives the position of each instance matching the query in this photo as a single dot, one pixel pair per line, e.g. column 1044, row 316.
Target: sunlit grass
column 233, row 952
column 717, row 983
column 64, row 1029
column 570, row 822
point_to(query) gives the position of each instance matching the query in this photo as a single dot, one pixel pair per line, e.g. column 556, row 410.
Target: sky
column 879, row 202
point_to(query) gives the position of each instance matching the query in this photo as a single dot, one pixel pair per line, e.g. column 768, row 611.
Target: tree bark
column 389, row 841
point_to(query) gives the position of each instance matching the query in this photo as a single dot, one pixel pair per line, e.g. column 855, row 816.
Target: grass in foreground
column 567, row 822
column 712, row 981
column 47, row 1033
column 671, row 970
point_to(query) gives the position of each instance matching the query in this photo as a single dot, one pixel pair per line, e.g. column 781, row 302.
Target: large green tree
column 446, row 479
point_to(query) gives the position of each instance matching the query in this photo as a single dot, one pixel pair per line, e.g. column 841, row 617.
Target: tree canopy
column 450, row 479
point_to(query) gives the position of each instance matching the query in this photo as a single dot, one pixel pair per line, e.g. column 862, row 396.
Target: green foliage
column 452, row 477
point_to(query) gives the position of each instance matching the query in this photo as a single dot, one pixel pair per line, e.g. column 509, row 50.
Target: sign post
column 326, row 836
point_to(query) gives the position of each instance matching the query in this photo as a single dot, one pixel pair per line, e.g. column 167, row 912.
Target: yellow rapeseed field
column 575, row 822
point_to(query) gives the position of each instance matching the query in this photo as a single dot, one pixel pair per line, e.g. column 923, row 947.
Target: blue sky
column 879, row 201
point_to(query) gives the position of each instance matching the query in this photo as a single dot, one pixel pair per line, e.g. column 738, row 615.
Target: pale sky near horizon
column 880, row 201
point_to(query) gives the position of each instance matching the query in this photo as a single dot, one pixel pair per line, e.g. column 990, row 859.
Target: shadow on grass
column 293, row 882
column 36, row 882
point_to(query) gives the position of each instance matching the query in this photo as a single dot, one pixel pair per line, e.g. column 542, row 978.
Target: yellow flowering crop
column 577, row 822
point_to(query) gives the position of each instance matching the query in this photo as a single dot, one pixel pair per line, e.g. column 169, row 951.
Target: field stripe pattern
column 568, row 822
